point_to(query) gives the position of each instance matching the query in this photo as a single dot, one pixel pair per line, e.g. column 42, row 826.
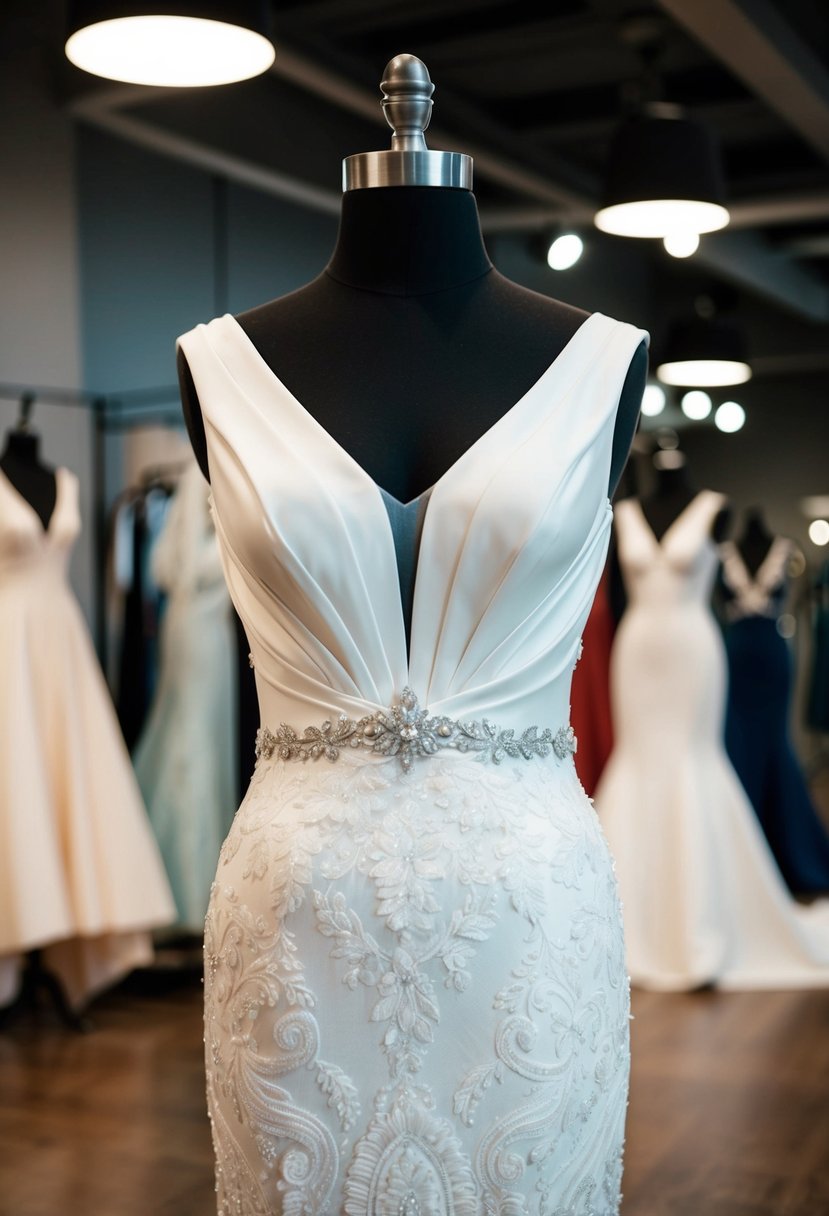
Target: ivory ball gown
column 80, row 873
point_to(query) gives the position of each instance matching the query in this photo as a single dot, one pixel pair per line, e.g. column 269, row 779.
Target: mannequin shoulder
column 533, row 305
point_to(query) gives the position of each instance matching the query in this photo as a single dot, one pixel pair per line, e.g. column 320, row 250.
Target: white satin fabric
column 703, row 897
column 415, row 995
column 80, row 874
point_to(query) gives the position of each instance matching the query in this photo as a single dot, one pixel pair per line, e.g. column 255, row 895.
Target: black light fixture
column 664, row 177
column 704, row 352
column 183, row 43
column 664, row 174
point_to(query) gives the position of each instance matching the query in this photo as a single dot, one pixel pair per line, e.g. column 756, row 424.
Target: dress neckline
column 45, row 530
column 773, row 561
column 661, row 543
column 561, row 358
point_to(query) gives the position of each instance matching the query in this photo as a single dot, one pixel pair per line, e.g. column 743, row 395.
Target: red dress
column 590, row 697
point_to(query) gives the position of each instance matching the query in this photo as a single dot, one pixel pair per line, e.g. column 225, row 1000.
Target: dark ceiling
column 533, row 91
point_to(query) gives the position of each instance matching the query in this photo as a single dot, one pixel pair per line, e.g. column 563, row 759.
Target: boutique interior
column 664, row 164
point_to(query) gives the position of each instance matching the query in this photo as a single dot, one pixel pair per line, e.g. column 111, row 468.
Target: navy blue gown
column 757, row 720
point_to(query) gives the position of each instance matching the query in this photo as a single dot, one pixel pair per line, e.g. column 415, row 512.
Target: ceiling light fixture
column 664, row 178
column 704, row 353
column 180, row 44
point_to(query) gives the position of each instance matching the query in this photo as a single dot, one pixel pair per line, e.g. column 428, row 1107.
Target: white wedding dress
column 704, row 901
column 80, row 874
column 415, row 995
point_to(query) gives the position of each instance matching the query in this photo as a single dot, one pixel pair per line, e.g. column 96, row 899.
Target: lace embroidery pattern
column 448, row 893
column 406, row 731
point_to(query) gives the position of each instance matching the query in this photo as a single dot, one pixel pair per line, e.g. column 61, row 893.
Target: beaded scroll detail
column 406, row 730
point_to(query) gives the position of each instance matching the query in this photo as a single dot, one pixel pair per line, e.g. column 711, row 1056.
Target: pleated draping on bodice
column 504, row 579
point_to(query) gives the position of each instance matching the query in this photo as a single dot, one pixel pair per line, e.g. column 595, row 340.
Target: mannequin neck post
column 408, row 240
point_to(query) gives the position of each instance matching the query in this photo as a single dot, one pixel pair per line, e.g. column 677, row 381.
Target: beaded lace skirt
column 415, row 993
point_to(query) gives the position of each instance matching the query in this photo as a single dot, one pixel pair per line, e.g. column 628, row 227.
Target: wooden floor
column 729, row 1112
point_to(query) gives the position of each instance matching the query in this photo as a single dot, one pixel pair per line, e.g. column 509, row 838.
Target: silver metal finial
column 407, row 105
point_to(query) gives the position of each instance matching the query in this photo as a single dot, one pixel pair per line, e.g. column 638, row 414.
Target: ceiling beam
column 744, row 259
column 100, row 109
column 753, row 39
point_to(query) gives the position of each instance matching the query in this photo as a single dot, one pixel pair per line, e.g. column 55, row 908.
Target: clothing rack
column 112, row 413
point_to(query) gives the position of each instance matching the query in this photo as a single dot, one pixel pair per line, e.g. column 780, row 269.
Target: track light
column 565, row 250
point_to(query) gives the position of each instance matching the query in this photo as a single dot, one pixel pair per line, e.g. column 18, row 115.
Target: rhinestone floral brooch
column 406, row 730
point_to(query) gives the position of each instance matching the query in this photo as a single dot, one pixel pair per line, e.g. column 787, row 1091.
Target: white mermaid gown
column 704, row 901
column 80, row 873
column 415, row 994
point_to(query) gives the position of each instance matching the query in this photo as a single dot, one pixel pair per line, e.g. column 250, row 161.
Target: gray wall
column 164, row 246
column 39, row 313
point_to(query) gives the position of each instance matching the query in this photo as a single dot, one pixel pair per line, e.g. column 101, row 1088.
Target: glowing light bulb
column 730, row 417
column 681, row 244
column 696, row 405
column 653, row 400
column 819, row 532
column 565, row 251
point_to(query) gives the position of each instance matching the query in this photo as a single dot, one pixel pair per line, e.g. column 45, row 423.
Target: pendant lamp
column 183, row 43
column 664, row 177
column 704, row 353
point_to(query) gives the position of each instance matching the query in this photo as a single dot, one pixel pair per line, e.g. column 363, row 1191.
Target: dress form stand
column 410, row 344
column 35, row 979
column 755, row 540
column 673, row 492
column 21, row 464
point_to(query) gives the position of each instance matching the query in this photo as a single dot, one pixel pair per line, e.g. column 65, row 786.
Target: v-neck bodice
column 678, row 568
column 25, row 545
column 512, row 541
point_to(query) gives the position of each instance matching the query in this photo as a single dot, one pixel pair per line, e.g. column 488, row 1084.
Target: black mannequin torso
column 755, row 540
column 410, row 345
column 673, row 492
column 33, row 480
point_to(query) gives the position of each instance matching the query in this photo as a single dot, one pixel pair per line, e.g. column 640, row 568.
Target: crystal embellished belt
column 405, row 730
